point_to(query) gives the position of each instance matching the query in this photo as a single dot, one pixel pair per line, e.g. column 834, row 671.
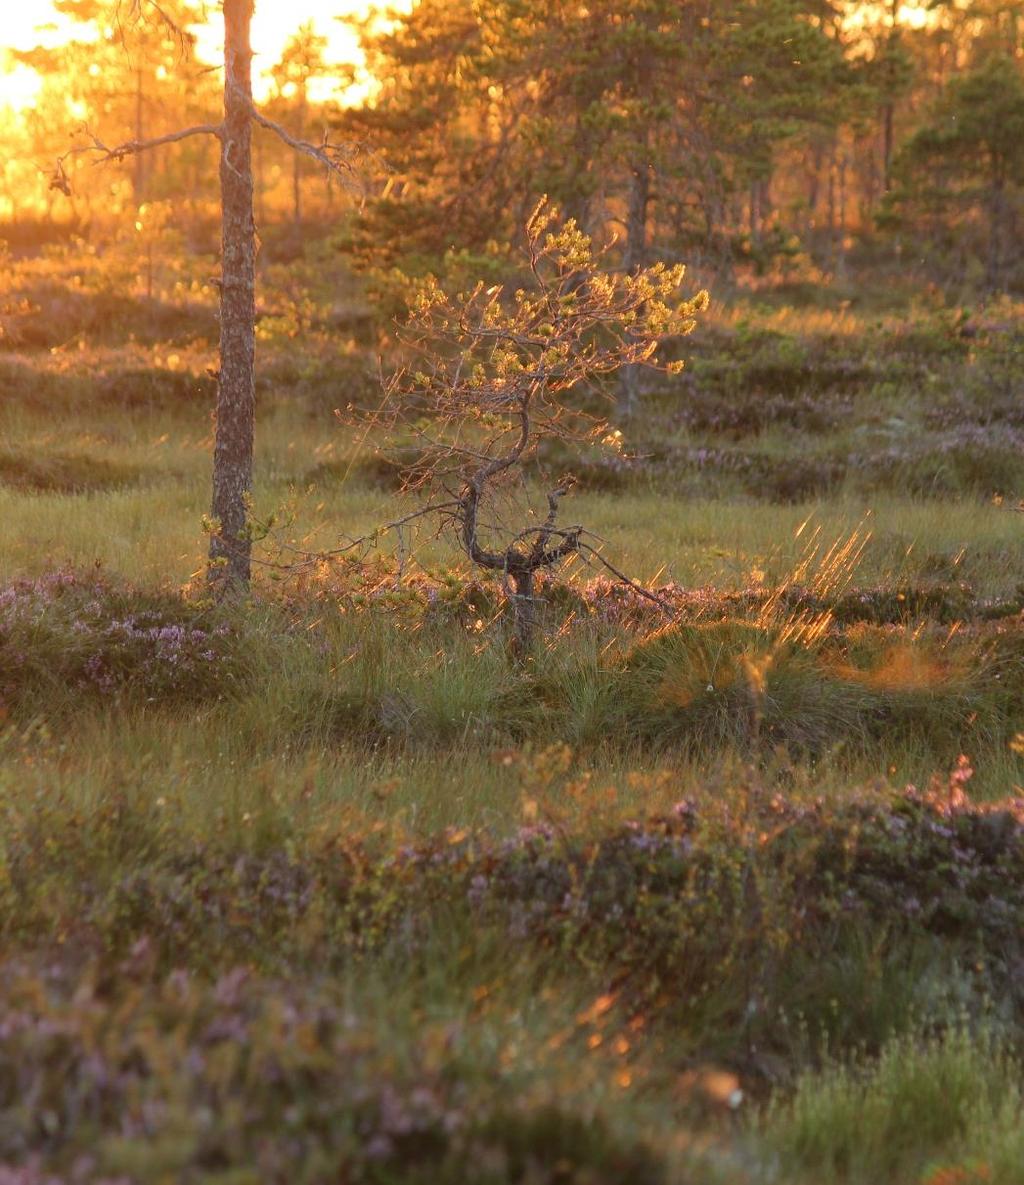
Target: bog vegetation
column 612, row 772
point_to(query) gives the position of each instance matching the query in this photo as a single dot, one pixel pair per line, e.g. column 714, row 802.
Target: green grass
column 153, row 533
column 358, row 898
column 179, row 937
column 932, row 1109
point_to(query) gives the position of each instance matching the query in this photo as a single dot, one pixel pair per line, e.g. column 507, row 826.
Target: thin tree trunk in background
column 139, row 163
column 577, row 202
column 259, row 180
column 633, row 258
column 764, row 201
column 754, row 219
column 868, row 198
column 296, row 190
column 230, row 545
column 997, row 212
column 889, row 109
column 831, row 205
column 841, row 243
column 813, row 188
column 297, row 164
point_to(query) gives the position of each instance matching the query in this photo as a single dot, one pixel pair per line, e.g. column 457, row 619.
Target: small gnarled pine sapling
column 492, row 374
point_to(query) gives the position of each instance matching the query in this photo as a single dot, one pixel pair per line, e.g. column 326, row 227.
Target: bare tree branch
column 135, row 10
column 592, row 553
column 61, row 181
column 312, row 558
column 337, row 158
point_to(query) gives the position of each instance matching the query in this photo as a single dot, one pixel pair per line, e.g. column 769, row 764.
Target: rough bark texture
column 524, row 615
column 887, row 147
column 230, row 546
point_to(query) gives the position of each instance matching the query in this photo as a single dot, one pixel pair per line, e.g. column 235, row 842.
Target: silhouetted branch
column 592, row 553
column 337, row 158
column 60, row 179
column 308, row 559
column 135, row 10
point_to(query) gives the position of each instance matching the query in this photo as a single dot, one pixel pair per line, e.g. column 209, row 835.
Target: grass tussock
column 759, row 861
column 936, row 1110
column 64, row 473
column 789, row 682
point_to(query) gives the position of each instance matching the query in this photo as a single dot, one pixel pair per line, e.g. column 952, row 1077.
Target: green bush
column 948, row 1104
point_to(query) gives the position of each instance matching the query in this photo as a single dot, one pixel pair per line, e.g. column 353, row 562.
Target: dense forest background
column 759, row 140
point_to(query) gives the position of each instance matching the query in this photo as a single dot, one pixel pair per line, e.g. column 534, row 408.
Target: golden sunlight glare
column 25, row 28
column 19, row 84
column 273, row 23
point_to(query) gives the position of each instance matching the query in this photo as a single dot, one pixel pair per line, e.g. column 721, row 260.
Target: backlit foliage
column 495, row 373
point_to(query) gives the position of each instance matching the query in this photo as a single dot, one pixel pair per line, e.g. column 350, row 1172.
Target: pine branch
column 337, row 158
column 136, row 9
column 60, row 179
column 592, row 553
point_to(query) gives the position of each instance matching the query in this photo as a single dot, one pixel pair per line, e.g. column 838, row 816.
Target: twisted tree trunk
column 230, row 544
column 524, row 617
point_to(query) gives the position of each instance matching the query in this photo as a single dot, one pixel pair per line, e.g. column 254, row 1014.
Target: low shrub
column 750, row 412
column 667, row 907
column 156, row 388
column 971, row 459
column 746, row 674
column 47, row 313
column 69, row 638
column 246, row 1079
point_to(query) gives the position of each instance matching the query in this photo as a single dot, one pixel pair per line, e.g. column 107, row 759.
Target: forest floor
column 759, row 866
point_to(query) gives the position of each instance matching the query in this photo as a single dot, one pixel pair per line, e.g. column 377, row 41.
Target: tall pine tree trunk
column 230, row 545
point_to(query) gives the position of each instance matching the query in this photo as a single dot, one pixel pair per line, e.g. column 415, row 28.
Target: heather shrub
column 69, row 638
column 153, row 1089
column 776, row 364
column 746, row 412
column 970, row 459
column 727, row 917
column 156, row 388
